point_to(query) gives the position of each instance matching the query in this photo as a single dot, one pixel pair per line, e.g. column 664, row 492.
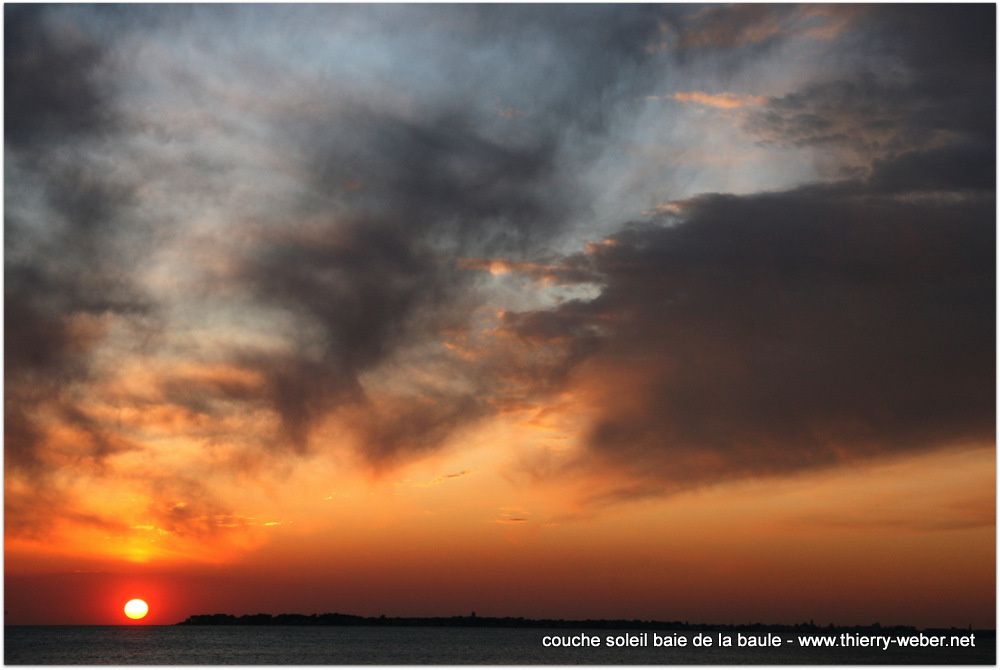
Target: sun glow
column 136, row 609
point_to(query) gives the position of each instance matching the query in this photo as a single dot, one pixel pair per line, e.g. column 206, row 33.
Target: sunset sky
column 675, row 312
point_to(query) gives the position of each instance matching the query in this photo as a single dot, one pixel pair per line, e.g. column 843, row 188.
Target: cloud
column 65, row 279
column 391, row 429
column 749, row 25
column 934, row 88
column 512, row 515
column 770, row 333
column 719, row 100
column 375, row 274
column 356, row 256
column 317, row 259
column 437, row 481
column 863, row 113
column 35, row 514
column 734, row 26
column 54, row 88
column 957, row 166
column 374, row 281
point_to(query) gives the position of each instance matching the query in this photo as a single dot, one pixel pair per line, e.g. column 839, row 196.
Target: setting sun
column 136, row 608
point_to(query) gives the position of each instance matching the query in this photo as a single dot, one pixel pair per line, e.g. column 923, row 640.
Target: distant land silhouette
column 473, row 621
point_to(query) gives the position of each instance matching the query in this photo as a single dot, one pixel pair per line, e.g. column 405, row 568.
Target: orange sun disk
column 136, row 608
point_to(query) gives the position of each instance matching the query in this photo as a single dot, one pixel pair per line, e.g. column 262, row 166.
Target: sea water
column 355, row 645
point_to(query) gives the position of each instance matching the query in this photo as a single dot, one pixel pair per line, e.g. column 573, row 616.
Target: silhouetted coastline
column 473, row 621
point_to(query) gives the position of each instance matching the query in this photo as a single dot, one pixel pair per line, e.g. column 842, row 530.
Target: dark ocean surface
column 350, row 645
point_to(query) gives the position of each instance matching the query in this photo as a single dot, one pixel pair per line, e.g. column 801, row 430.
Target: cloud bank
column 383, row 226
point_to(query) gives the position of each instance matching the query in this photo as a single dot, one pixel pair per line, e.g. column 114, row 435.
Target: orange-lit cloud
column 720, row 100
column 744, row 25
column 500, row 266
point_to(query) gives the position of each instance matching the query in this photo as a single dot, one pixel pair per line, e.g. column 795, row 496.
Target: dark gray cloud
column 956, row 166
column 733, row 26
column 362, row 287
column 415, row 193
column 731, row 35
column 928, row 78
column 403, row 430
column 394, row 197
column 66, row 265
column 775, row 332
column 53, row 84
